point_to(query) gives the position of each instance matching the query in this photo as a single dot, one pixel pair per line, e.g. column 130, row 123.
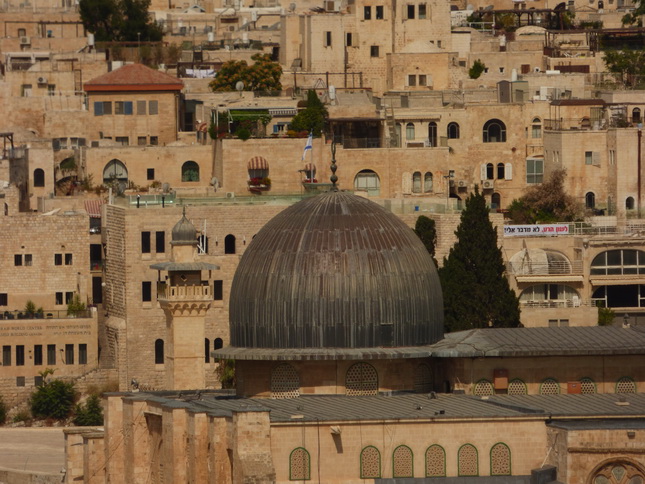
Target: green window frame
column 368, row 473
column 550, row 381
column 625, row 380
column 435, row 472
column 497, row 469
column 303, row 471
column 399, row 468
column 461, row 470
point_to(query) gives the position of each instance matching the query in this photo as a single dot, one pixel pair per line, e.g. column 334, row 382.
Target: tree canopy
column 119, row 20
column 263, row 75
column 547, row 202
column 628, row 66
column 476, row 293
column 427, row 232
column 313, row 117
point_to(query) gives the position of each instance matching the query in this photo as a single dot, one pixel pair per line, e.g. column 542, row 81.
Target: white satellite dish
column 239, row 86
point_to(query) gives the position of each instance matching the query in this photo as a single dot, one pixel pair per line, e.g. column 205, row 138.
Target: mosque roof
column 334, row 271
column 184, row 232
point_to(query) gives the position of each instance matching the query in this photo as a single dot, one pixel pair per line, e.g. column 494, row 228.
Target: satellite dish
column 239, row 86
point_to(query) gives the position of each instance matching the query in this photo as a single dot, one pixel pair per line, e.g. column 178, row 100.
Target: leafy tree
column 547, row 202
column 427, row 232
column 263, row 75
column 226, row 373
column 635, row 16
column 90, row 413
column 605, row 316
column 628, row 66
column 119, row 20
column 477, row 69
column 476, row 293
column 313, row 117
column 53, row 399
column 75, row 306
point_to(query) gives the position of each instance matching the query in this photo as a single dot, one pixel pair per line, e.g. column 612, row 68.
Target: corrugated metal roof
column 292, row 354
column 184, row 266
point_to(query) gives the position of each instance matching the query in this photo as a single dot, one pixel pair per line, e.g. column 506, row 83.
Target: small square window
column 118, row 107
column 150, row 174
column 107, row 107
column 588, row 157
column 123, row 140
column 374, row 51
column 154, row 140
column 20, row 381
column 4, row 299
column 17, row 260
column 153, row 107
column 501, row 70
column 68, row 259
column 141, row 107
column 412, row 80
column 28, row 259
column 423, row 80
column 58, row 259
column 141, row 140
column 38, row 381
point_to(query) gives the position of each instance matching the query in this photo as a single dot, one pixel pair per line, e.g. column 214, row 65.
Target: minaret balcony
column 201, row 292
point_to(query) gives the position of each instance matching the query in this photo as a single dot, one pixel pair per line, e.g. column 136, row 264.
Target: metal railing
column 557, row 303
column 48, row 314
column 574, row 124
column 178, row 293
column 152, row 199
column 539, row 268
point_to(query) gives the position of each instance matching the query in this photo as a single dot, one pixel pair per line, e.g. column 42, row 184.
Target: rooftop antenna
column 333, row 176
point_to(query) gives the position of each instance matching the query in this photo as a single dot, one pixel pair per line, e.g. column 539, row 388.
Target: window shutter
column 128, row 108
column 482, row 174
column 595, row 158
column 98, row 109
column 508, row 172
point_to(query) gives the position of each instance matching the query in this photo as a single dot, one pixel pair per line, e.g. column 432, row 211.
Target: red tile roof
column 134, row 77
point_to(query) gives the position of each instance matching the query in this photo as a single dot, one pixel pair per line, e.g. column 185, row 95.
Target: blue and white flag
column 309, row 145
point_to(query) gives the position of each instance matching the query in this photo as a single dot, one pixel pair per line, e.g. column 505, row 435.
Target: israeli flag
column 309, row 145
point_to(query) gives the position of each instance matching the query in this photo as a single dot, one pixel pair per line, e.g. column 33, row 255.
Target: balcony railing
column 48, row 314
column 556, row 303
column 574, row 124
column 96, row 265
column 539, row 268
column 180, row 293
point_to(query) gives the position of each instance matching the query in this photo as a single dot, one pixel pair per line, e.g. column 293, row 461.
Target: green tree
column 547, row 202
column 3, row 412
column 226, row 373
column 75, row 306
column 477, row 69
column 605, row 315
column 90, row 413
column 476, row 293
column 263, row 75
column 119, row 20
column 426, row 230
column 627, row 66
column 313, row 117
column 53, row 399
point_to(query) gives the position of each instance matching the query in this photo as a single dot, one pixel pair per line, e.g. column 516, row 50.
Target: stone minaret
column 185, row 297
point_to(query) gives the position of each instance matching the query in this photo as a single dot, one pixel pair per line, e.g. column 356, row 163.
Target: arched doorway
column 115, row 173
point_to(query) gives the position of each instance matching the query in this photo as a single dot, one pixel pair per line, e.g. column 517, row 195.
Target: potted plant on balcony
column 259, row 183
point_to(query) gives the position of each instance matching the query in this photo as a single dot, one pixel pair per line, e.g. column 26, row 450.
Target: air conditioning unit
column 462, row 183
column 230, row 194
column 24, row 40
column 42, row 80
column 488, row 184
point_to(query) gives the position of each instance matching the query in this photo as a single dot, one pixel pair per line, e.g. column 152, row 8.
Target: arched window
column 285, row 382
column 39, row 177
column 618, row 262
column 428, row 183
column 368, row 180
column 453, row 131
column 370, row 463
column 229, row 244
column 585, row 123
column 361, row 379
column 590, row 200
column 190, row 172
column 500, row 460
column 629, row 203
column 490, row 171
column 496, row 200
column 501, row 172
column 622, row 470
column 416, row 182
column 402, row 462
column 218, row 344
column 550, row 386
column 207, row 350
column 587, row 386
column 299, row 465
column 115, row 170
column 409, row 131
column 625, row 384
column 432, row 134
column 494, row 131
column 422, row 379
column 536, row 128
column 636, row 115
column 435, row 461
column 258, row 168
column 483, row 387
column 159, row 356
column 516, row 387
column 468, row 461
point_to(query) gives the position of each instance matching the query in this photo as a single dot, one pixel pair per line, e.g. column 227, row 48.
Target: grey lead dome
column 335, row 271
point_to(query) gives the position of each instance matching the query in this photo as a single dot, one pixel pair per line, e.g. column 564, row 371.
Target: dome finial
column 333, row 176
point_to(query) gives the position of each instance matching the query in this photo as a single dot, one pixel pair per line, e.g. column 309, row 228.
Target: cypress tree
column 426, row 231
column 476, row 293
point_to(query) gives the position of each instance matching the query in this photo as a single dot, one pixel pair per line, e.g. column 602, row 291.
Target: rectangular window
column 127, row 108
column 218, row 290
column 588, row 157
column 82, row 354
column 6, row 356
column 68, row 259
column 327, row 39
column 123, row 140
column 534, row 170
column 69, row 354
column 26, row 90
column 153, row 107
column 160, row 242
column 379, row 12
column 20, row 381
column 367, row 13
column 150, row 174
column 141, row 140
column 146, row 291
column 412, row 80
column 154, row 140
column 17, row 260
column 59, row 299
column 410, row 11
column 107, row 107
column 141, row 107
column 348, row 39
column 118, row 107
column 423, row 80
column 145, row 242
column 38, row 355
column 51, row 354
column 4, row 299
column 374, row 51
column 51, row 89
column 69, row 297
column 423, row 11
column 20, row 355
column 28, row 259
column 38, row 381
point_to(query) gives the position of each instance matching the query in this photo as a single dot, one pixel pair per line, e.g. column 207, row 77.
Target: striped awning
column 258, row 163
column 310, row 167
column 93, row 208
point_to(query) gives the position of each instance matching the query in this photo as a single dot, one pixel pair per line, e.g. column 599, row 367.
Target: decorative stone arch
column 115, row 171
column 587, row 386
column 494, row 131
column 500, row 460
column 39, row 177
column 550, row 386
column 609, row 472
column 629, row 203
column 285, row 382
column 517, row 387
column 190, row 172
column 370, row 463
column 435, row 461
column 453, row 130
column 299, row 465
column 590, row 200
column 402, row 462
column 361, row 379
column 467, row 460
column 625, row 384
column 416, row 182
column 229, row 244
column 369, row 181
column 483, row 387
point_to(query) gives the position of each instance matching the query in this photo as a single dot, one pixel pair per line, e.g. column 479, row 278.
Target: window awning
column 258, row 163
column 93, row 208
